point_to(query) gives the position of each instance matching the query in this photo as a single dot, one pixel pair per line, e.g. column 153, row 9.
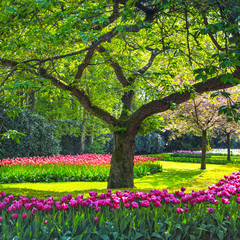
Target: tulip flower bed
column 206, row 214
column 85, row 167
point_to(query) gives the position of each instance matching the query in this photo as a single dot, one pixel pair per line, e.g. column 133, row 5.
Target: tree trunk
column 204, row 147
column 121, row 172
column 228, row 146
column 31, row 100
column 83, row 133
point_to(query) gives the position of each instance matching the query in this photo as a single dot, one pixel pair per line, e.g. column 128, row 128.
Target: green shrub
column 40, row 139
column 195, row 160
column 185, row 155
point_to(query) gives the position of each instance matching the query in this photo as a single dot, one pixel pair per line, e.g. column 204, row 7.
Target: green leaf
column 225, row 94
column 120, row 28
column 157, row 235
column 220, row 234
column 227, row 63
column 236, row 62
column 104, row 237
column 115, row 235
column 213, row 95
column 17, row 84
column 85, row 38
column 192, row 237
column 137, row 236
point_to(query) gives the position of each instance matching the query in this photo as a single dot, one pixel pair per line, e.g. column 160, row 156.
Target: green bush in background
column 40, row 137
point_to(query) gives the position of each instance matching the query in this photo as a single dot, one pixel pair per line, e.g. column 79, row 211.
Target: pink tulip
column 183, row 189
column 134, row 205
column 64, row 206
column 157, row 204
column 180, row 210
column 211, row 210
column 34, row 210
column 14, row 216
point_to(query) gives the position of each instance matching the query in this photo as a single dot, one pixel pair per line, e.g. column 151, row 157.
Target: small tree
column 198, row 116
column 230, row 126
column 227, row 131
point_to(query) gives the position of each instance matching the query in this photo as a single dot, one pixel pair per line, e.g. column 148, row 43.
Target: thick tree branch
column 117, row 68
column 106, row 37
column 154, row 54
column 80, row 94
column 82, row 97
column 85, row 63
column 115, row 15
column 8, row 63
column 196, row 113
column 211, row 36
column 60, row 56
column 164, row 104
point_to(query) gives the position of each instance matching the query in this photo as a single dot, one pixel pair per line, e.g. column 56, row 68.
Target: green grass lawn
column 174, row 176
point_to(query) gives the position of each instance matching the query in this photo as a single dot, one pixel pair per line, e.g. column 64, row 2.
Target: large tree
column 123, row 60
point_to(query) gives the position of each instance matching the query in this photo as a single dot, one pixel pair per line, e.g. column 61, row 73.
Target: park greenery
column 92, row 93
column 123, row 61
column 128, row 214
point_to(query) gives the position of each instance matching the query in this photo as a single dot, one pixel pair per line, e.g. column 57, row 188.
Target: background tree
column 227, row 131
column 122, row 60
column 199, row 116
column 229, row 127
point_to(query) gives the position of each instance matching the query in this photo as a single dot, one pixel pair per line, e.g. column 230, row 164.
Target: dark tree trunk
column 204, row 147
column 31, row 100
column 228, row 147
column 121, row 172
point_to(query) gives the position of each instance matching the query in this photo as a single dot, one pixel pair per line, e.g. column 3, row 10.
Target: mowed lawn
column 174, row 176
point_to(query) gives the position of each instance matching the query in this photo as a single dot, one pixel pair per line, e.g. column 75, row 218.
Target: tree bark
column 31, row 100
column 228, row 146
column 121, row 172
column 204, row 147
column 83, row 133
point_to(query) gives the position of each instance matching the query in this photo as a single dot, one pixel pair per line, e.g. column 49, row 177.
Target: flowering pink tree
column 198, row 116
column 230, row 126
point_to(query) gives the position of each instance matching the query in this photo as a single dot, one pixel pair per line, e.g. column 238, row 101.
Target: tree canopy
column 122, row 60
